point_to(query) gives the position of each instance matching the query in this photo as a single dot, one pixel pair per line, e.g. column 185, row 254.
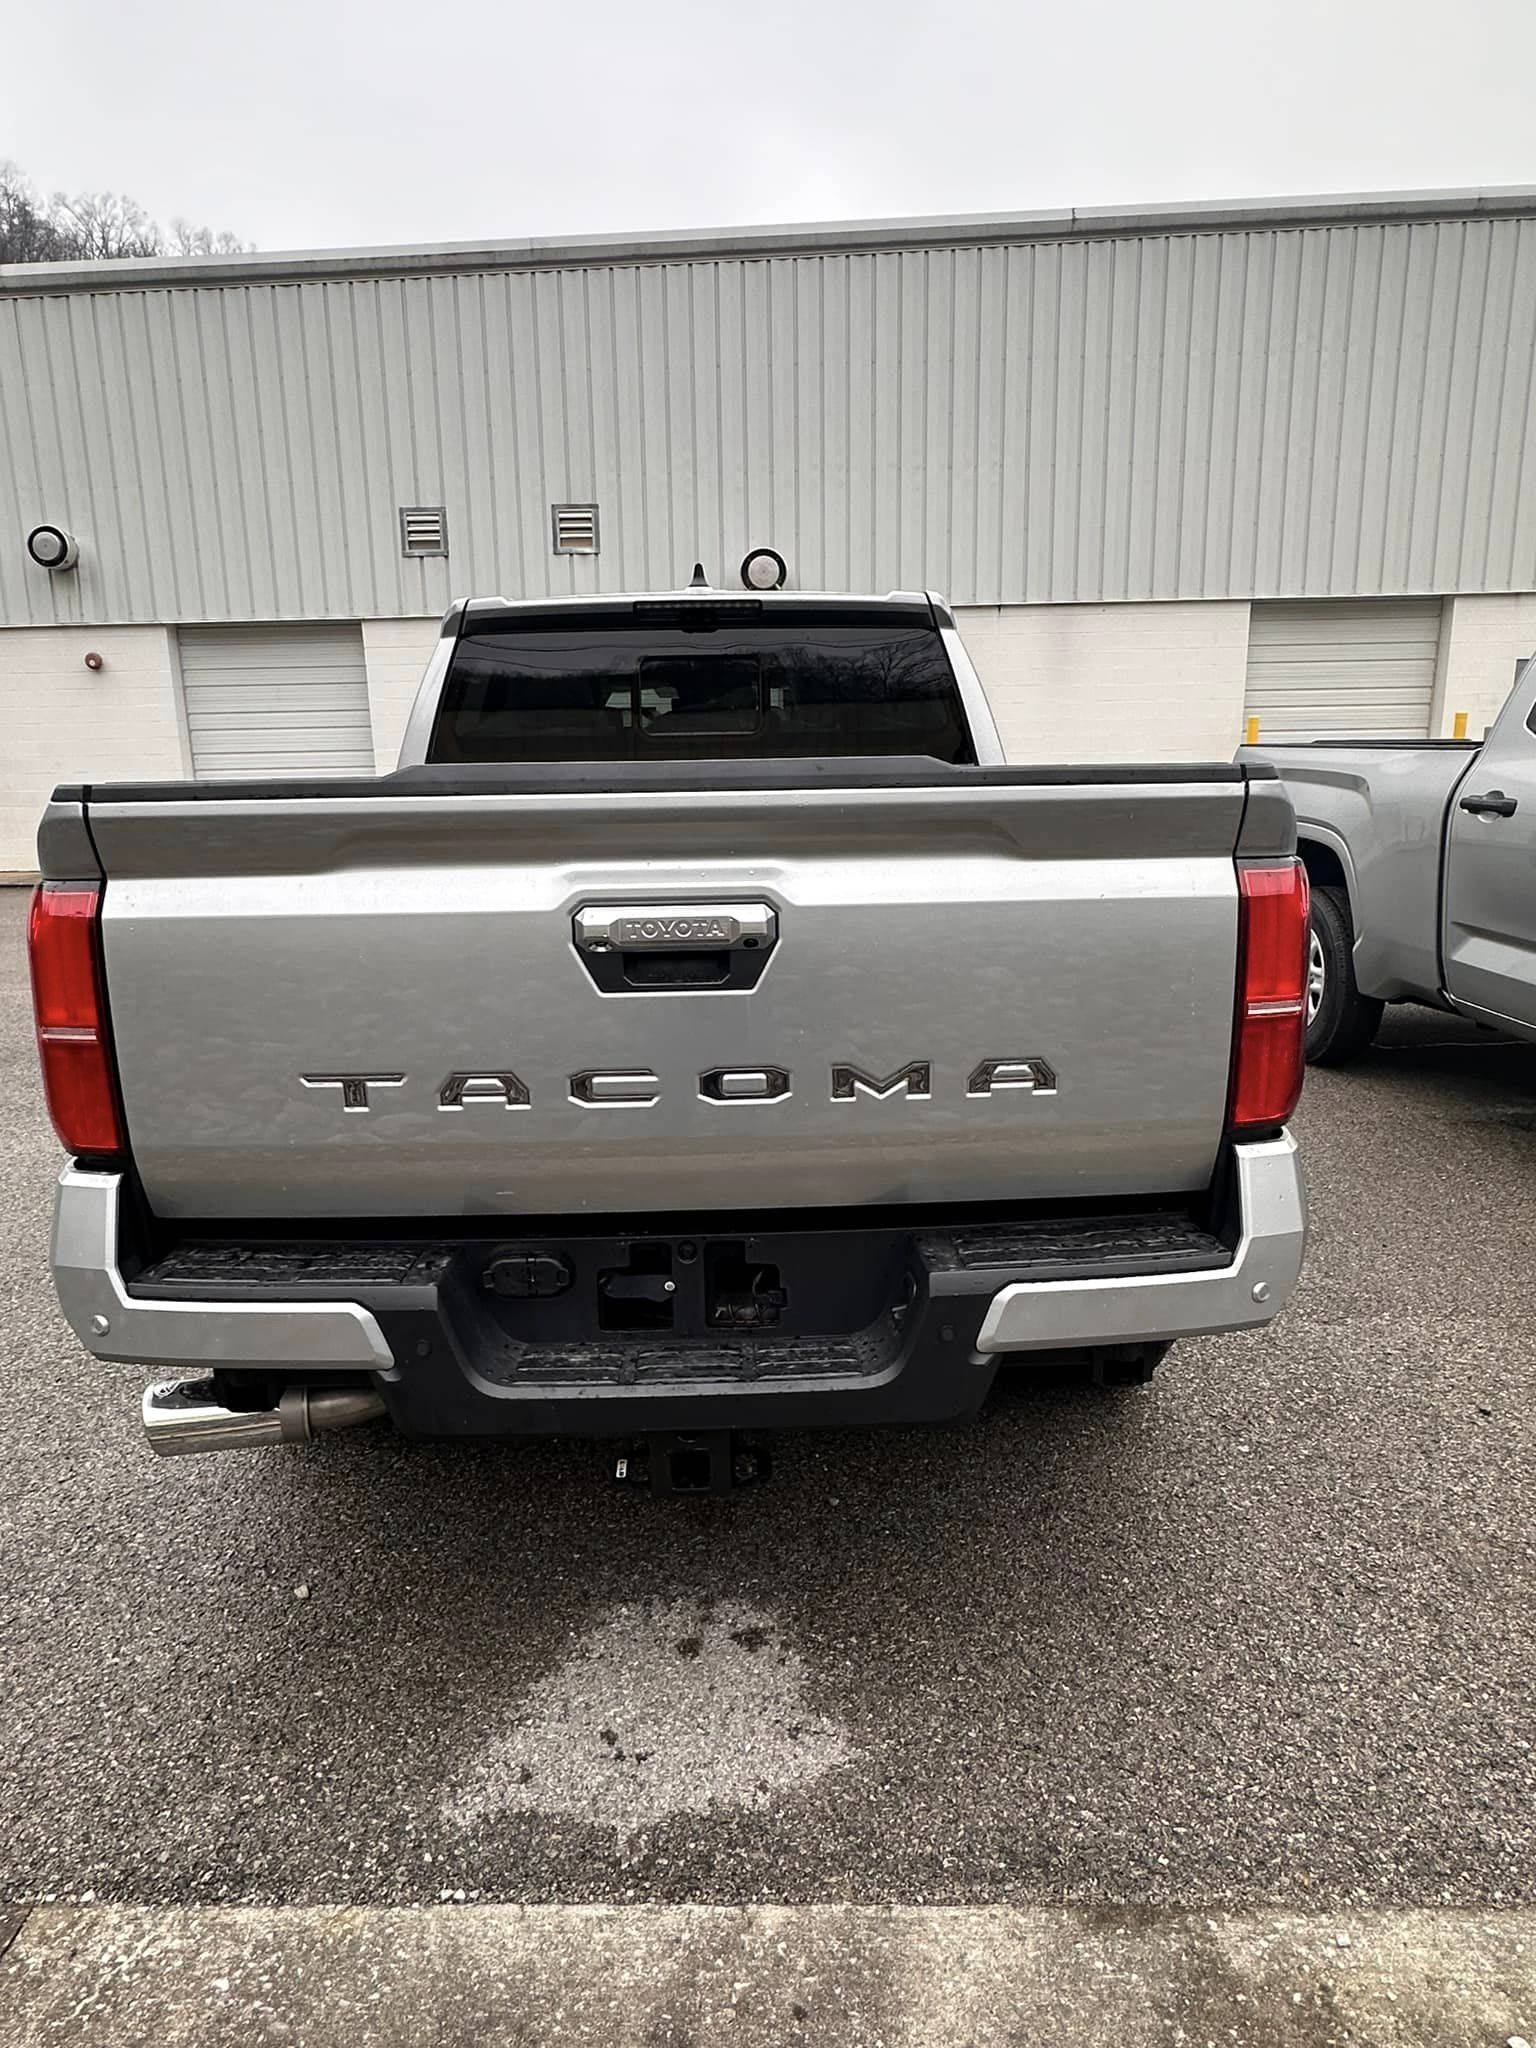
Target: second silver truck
column 1422, row 857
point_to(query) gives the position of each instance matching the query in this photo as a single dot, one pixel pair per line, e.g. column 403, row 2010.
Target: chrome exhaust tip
column 182, row 1417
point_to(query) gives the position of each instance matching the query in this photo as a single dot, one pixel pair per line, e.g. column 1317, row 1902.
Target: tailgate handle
column 670, row 948
column 675, row 927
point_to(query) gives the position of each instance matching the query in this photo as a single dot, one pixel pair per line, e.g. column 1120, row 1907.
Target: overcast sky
column 305, row 123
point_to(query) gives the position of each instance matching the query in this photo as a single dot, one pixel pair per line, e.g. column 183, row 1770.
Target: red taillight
column 63, row 940
column 1269, row 1053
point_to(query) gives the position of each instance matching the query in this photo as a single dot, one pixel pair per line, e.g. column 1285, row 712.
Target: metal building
column 1172, row 466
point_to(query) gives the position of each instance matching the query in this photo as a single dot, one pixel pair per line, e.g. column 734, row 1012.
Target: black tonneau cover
column 589, row 778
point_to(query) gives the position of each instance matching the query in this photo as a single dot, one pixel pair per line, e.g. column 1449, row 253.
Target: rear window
column 695, row 685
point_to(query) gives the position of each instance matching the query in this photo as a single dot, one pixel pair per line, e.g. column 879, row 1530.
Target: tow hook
column 714, row 1461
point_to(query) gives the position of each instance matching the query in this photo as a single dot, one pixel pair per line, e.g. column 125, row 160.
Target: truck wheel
column 1340, row 1021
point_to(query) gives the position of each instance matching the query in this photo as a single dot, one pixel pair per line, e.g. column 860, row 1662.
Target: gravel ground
column 1264, row 1635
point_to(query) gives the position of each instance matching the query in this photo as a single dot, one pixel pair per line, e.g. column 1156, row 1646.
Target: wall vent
column 575, row 528
column 423, row 530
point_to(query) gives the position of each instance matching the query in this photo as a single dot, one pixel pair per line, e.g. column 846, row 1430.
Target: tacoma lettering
column 641, row 1088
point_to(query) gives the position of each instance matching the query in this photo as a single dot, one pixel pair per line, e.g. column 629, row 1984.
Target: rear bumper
column 88, row 1263
column 411, row 1327
column 1154, row 1307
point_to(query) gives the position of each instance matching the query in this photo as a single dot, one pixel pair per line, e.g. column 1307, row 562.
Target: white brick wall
column 1480, row 641
column 1112, row 682
column 1066, row 683
column 395, row 652
column 60, row 722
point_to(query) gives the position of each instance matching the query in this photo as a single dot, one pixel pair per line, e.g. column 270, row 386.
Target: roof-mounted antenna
column 698, row 581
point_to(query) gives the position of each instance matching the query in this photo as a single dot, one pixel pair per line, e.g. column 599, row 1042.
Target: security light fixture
column 764, row 569
column 52, row 548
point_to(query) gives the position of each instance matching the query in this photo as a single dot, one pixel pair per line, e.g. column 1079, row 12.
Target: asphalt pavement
column 1262, row 1635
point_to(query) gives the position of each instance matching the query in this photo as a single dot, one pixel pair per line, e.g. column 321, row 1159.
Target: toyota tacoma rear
column 702, row 1030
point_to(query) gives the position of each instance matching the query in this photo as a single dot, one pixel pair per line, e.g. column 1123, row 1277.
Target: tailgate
column 384, row 1003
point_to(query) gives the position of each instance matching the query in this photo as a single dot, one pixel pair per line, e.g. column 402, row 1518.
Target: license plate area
column 694, row 1288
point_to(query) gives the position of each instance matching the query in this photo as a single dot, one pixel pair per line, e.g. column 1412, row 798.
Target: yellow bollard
column 1459, row 726
column 1251, row 731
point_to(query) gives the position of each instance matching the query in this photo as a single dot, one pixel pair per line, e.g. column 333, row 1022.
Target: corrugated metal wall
column 1301, row 412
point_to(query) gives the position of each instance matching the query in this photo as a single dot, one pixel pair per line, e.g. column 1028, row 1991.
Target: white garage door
column 276, row 700
column 1358, row 666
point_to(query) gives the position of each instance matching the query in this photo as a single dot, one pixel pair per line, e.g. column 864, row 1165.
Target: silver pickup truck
column 1422, row 859
column 702, row 1031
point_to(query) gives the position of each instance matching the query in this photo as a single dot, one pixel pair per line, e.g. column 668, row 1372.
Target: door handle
column 1494, row 803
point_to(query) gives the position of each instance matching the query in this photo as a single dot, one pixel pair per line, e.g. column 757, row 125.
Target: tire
column 1340, row 1021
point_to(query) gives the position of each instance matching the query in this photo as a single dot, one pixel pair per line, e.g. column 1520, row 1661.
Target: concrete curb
column 675, row 1976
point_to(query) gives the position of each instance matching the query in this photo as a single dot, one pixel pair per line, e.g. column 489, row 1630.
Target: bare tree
column 187, row 240
column 92, row 227
column 27, row 232
column 101, row 226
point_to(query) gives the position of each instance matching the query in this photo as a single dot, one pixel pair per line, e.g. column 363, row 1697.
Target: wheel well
column 1324, row 868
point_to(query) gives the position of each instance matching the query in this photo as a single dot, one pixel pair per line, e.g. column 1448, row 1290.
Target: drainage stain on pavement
column 663, row 1708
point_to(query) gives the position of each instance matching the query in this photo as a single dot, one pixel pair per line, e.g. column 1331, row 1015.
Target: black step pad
column 1079, row 1247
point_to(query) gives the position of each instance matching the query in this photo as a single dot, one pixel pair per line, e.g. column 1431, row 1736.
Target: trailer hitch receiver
column 714, row 1461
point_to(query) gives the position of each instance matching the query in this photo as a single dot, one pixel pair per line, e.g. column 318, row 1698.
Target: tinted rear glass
column 691, row 686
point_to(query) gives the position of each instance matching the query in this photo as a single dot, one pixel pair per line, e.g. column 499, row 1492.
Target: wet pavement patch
column 663, row 1708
